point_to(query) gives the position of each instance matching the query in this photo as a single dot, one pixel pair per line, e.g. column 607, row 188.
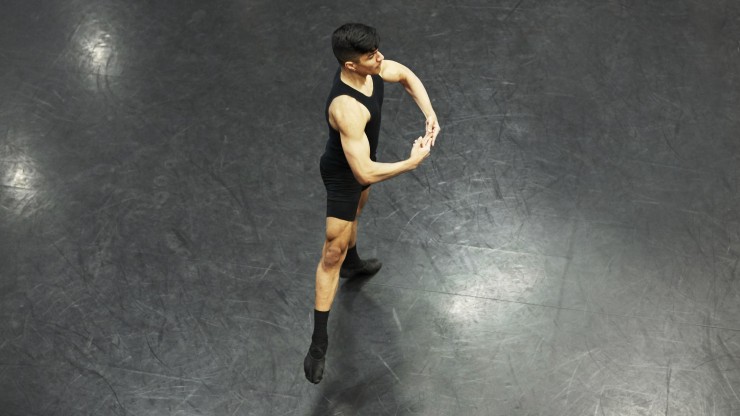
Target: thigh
column 363, row 197
column 343, row 193
column 363, row 200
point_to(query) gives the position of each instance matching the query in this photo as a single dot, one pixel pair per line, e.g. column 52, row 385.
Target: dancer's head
column 353, row 40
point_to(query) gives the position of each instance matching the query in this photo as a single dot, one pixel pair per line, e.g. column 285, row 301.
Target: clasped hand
column 432, row 127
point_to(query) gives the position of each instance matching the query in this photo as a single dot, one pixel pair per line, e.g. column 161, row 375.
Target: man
column 349, row 166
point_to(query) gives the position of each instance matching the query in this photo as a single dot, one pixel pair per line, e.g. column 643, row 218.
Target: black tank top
column 333, row 154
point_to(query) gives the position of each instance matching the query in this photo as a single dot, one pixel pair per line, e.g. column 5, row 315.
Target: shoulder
column 347, row 112
column 392, row 71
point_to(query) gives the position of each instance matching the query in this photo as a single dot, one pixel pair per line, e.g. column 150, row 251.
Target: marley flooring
column 570, row 248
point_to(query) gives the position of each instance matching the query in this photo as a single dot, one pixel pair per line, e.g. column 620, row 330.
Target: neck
column 353, row 78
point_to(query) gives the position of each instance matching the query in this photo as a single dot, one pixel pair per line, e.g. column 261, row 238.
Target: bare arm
column 392, row 71
column 350, row 117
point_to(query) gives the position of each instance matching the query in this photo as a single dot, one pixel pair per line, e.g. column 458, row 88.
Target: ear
column 350, row 66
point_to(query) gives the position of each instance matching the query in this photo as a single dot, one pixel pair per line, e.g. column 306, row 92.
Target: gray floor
column 570, row 248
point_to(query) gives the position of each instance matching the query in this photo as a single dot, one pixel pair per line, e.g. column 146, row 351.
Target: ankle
column 352, row 259
column 318, row 350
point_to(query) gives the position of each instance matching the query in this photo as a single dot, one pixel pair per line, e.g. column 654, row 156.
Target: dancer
column 349, row 166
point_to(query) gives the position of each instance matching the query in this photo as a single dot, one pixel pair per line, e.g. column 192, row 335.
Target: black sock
column 352, row 260
column 320, row 338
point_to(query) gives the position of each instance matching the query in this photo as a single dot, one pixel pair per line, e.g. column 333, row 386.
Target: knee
column 333, row 255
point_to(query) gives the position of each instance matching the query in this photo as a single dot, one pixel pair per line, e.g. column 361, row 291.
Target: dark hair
column 352, row 40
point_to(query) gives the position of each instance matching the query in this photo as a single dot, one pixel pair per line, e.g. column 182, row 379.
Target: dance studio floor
column 572, row 246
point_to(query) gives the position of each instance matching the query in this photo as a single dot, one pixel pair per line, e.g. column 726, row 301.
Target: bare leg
column 327, row 280
column 338, row 234
column 355, row 266
column 363, row 200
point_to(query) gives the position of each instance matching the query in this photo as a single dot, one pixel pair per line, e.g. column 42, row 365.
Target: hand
column 421, row 148
column 432, row 127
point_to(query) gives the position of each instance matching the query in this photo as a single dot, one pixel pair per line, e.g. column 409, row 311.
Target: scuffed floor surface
column 571, row 247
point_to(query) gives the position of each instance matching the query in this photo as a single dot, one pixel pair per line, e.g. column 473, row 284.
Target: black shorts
column 342, row 191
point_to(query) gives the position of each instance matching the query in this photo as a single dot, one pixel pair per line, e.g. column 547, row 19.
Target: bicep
column 350, row 122
column 356, row 148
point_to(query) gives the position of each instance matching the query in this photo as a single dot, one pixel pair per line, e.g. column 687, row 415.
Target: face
column 369, row 63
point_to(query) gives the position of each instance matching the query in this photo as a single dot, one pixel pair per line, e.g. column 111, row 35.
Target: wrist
column 412, row 163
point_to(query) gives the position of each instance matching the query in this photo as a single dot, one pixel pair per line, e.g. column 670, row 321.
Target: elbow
column 364, row 177
column 364, row 180
column 364, row 174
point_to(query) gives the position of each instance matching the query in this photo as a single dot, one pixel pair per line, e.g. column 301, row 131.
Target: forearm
column 376, row 172
column 416, row 90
